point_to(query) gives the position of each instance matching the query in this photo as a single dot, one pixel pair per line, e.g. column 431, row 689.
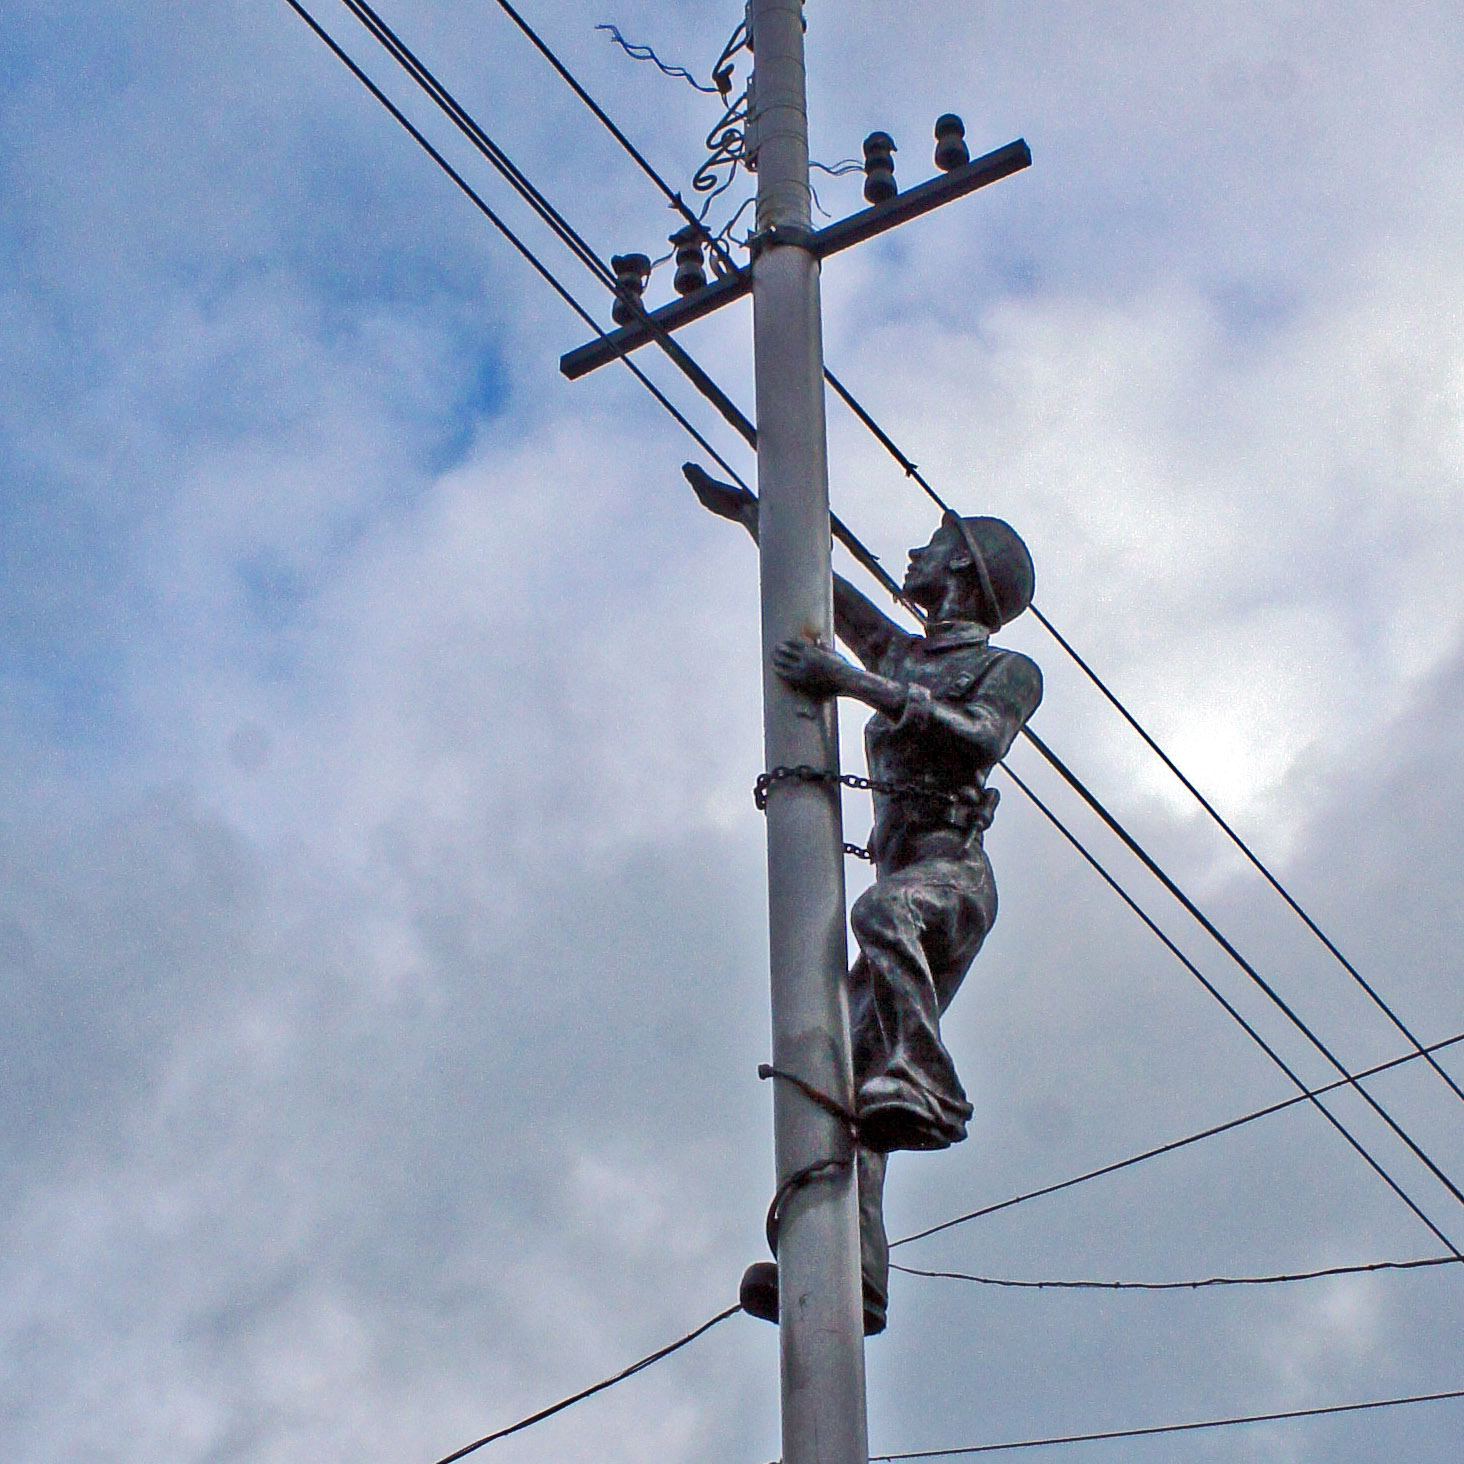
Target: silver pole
column 822, row 1330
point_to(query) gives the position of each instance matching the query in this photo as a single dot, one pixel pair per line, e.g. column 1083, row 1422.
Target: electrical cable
column 359, row 9
column 402, row 54
column 912, row 471
column 1245, row 849
column 1169, row 1428
column 503, row 228
column 567, row 76
column 1167, row 1148
column 1360, row 1270
column 1209, row 927
column 1235, row 1015
column 600, row 1387
column 415, row 68
column 453, row 110
column 419, row 72
column 638, row 52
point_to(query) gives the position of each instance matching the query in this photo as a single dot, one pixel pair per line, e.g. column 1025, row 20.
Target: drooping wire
column 1312, row 1097
column 726, row 145
column 1209, row 1281
column 1169, row 1428
column 645, row 53
column 1210, row 929
column 1172, row 1146
column 620, row 1377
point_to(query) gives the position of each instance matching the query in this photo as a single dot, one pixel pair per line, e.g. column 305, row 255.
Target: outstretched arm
column 865, row 629
column 984, row 726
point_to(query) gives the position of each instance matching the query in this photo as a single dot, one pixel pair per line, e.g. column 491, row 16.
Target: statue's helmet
column 1001, row 565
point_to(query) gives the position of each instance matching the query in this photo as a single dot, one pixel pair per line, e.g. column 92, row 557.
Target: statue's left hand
column 812, row 669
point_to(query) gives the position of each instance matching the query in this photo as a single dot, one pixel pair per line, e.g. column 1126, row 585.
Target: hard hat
column 1002, row 564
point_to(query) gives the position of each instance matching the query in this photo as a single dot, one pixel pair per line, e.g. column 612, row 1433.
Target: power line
column 1361, row 1270
column 1210, row 929
column 382, row 32
column 1167, row 1148
column 568, row 235
column 570, row 80
column 1245, row 849
column 503, row 228
column 699, row 378
column 620, row 1377
column 1169, row 1428
column 639, row 52
column 1235, row 1015
column 911, row 470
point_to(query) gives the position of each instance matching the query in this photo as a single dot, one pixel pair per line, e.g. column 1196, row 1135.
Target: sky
column 383, row 904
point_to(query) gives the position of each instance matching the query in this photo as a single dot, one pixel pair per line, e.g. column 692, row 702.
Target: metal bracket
column 788, row 235
column 820, row 242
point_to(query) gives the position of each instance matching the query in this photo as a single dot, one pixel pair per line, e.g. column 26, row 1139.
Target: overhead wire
column 912, row 470
column 638, row 52
column 623, row 1375
column 444, row 100
column 1215, row 934
column 1233, row 1012
column 513, row 239
column 1367, row 1268
column 1172, row 1146
column 1374, row 995
column 1169, row 1428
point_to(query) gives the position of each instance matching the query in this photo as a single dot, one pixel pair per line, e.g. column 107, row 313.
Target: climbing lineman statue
column 947, row 705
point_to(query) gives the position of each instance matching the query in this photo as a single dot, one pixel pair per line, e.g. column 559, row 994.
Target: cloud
column 382, row 912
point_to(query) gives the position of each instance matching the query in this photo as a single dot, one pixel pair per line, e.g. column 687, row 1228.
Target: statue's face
column 929, row 572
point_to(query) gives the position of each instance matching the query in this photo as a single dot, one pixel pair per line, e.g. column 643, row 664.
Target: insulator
column 691, row 266
column 632, row 271
column 951, row 151
column 879, row 168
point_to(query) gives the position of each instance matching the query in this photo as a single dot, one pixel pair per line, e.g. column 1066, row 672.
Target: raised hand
column 722, row 499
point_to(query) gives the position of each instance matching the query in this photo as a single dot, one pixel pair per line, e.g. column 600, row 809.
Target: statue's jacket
column 964, row 695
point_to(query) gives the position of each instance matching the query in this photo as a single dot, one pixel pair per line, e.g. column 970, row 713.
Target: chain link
column 803, row 773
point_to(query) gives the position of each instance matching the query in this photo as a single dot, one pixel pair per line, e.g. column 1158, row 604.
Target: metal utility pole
column 821, row 1309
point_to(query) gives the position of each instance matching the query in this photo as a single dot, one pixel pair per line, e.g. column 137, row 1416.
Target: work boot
column 759, row 1297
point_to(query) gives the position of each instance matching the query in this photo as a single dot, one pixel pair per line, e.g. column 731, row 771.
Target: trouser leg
column 874, row 1250
column 918, row 931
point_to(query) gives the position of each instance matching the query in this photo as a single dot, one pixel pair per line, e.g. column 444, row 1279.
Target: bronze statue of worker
column 947, row 706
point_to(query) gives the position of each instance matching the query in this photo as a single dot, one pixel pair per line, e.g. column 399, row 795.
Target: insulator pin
column 951, row 151
column 879, row 168
column 632, row 273
column 691, row 266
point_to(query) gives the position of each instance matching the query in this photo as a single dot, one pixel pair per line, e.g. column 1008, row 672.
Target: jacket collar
column 948, row 635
